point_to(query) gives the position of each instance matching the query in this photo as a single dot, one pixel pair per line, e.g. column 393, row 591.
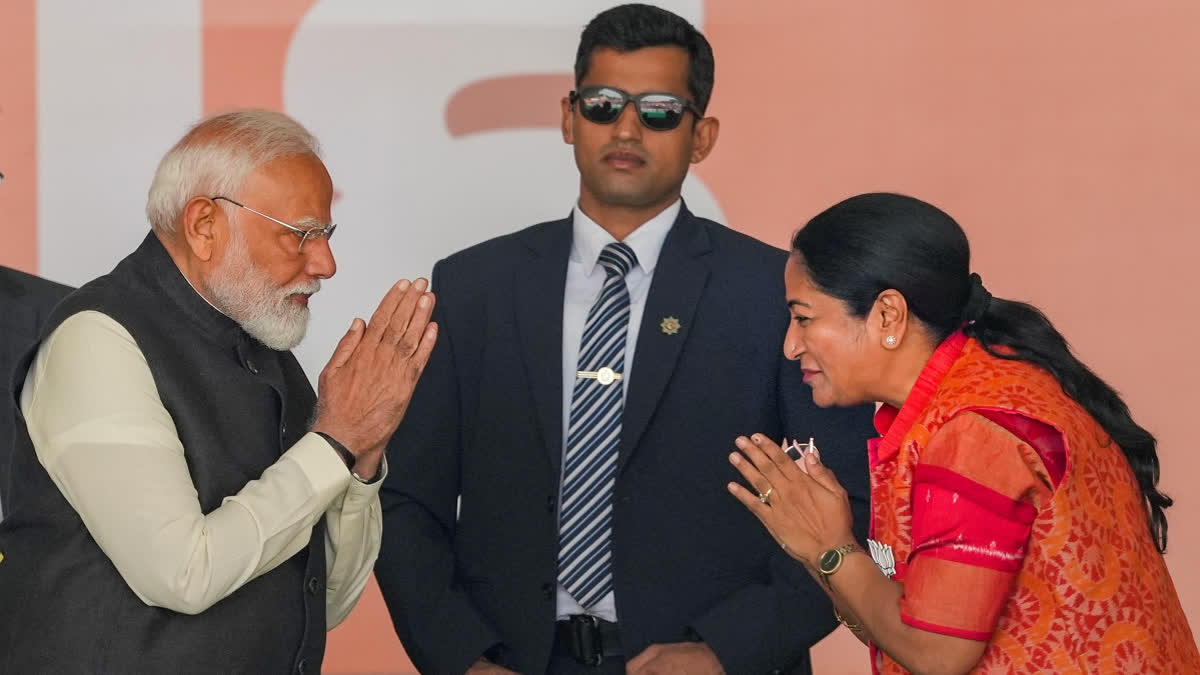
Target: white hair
column 217, row 155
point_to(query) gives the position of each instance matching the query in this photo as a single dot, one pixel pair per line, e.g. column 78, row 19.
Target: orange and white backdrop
column 1062, row 135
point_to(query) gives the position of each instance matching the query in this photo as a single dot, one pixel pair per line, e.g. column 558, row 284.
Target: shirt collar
column 589, row 239
column 892, row 424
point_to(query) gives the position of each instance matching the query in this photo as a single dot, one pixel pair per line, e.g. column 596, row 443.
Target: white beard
column 246, row 293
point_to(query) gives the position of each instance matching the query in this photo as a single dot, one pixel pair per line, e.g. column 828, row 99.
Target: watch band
column 342, row 451
column 848, row 548
column 349, row 458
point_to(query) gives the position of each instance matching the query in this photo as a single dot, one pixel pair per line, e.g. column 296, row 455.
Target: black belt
column 587, row 639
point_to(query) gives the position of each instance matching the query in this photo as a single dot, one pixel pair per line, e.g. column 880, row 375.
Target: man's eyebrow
column 310, row 223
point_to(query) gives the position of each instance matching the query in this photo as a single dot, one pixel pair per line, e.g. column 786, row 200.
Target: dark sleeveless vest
column 237, row 406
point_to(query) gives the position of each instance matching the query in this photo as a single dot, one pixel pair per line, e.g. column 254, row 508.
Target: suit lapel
column 538, row 290
column 678, row 283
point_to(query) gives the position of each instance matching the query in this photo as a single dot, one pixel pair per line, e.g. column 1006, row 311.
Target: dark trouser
column 565, row 665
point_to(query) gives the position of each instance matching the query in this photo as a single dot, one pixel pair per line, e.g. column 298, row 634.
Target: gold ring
column 765, row 497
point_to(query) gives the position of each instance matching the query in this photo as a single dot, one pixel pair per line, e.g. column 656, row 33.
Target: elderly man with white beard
column 181, row 500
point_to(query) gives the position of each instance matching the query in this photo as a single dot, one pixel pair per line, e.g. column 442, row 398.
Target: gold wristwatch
column 831, row 561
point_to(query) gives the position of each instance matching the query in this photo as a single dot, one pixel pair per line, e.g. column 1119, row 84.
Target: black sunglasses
column 604, row 105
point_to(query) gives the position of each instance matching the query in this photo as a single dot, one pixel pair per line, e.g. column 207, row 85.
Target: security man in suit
column 560, row 502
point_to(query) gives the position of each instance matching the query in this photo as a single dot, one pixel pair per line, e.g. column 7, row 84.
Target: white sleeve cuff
column 325, row 470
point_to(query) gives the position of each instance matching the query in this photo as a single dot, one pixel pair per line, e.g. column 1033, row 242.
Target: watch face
column 829, row 561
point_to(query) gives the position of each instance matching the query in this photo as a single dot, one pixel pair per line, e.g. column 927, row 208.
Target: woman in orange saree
column 1016, row 521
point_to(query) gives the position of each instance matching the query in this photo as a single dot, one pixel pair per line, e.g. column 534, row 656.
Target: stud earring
column 890, row 341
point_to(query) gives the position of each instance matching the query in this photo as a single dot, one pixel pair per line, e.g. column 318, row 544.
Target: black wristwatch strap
column 347, row 456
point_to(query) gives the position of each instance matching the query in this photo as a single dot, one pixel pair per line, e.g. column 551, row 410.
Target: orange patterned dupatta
column 1012, row 519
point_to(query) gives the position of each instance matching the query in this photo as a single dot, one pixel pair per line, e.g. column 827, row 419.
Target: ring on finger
column 765, row 497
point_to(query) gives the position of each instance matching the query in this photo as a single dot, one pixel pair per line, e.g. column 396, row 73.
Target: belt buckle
column 586, row 647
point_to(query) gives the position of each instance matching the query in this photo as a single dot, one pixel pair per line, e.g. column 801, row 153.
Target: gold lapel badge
column 670, row 325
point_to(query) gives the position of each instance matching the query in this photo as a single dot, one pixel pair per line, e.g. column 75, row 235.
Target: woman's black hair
column 867, row 244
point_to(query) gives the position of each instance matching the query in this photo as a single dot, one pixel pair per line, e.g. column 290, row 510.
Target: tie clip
column 605, row 375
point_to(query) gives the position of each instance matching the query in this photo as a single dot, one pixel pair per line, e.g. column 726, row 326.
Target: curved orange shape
column 1093, row 578
column 526, row 101
column 245, row 51
column 1134, row 640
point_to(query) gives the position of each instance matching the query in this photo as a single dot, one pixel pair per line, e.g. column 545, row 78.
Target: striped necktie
column 593, row 436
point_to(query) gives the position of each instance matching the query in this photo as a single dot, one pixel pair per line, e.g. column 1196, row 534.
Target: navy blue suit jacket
column 486, row 424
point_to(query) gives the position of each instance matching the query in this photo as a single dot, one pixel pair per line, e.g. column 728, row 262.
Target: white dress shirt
column 101, row 431
column 585, row 279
